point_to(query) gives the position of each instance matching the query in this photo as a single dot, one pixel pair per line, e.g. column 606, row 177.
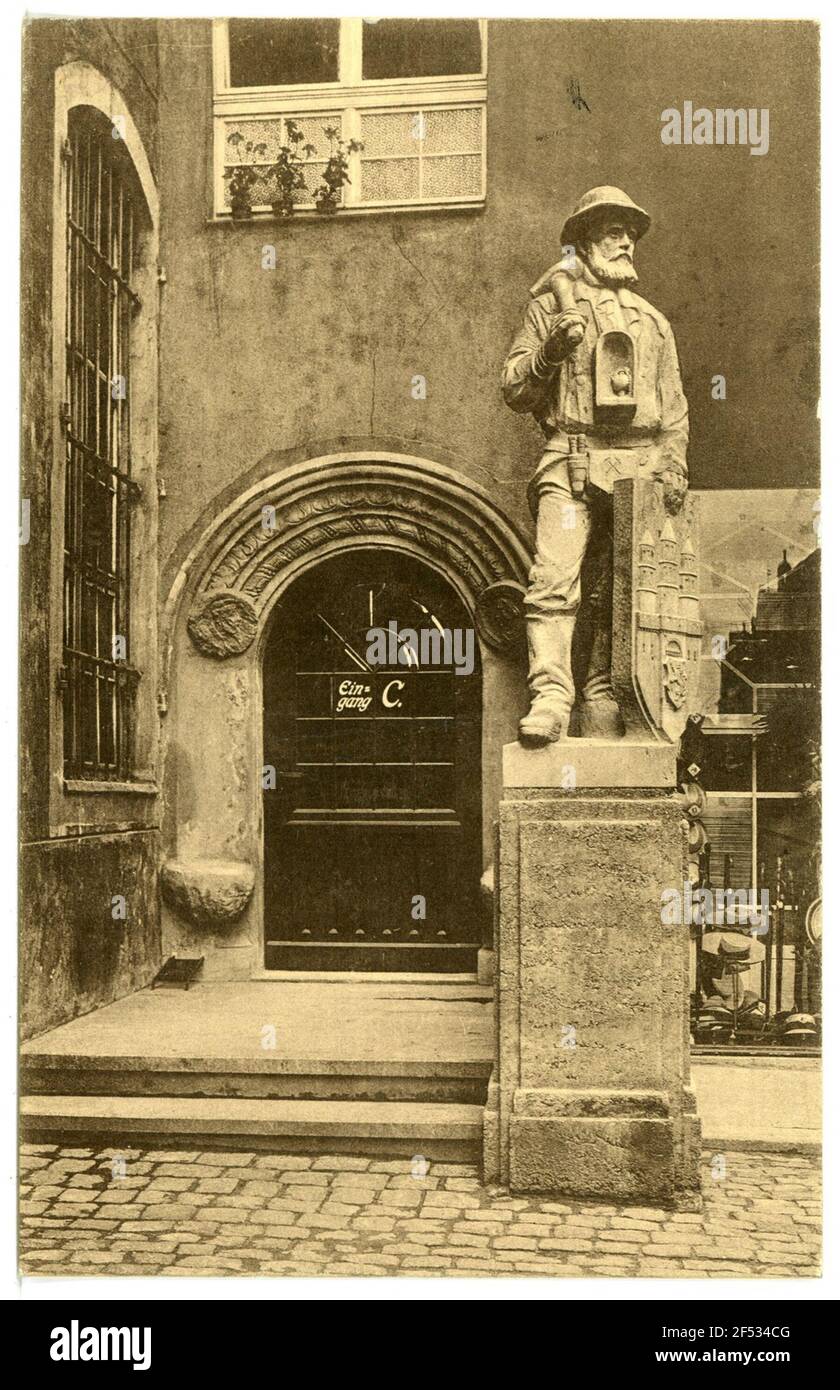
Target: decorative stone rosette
column 222, row 624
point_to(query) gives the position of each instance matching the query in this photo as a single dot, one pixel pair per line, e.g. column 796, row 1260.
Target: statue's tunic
column 561, row 400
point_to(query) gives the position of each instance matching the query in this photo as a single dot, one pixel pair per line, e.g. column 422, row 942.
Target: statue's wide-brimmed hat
column 596, row 200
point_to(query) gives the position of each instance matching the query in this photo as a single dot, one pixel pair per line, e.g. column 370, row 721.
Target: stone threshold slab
column 328, row 1024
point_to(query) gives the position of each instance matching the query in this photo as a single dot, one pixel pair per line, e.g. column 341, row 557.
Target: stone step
column 398, row 1129
column 461, row 1080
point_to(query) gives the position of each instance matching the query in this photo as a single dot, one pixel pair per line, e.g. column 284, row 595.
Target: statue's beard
column 615, row 273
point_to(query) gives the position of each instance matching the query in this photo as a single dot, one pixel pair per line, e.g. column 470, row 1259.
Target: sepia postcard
column 420, row 652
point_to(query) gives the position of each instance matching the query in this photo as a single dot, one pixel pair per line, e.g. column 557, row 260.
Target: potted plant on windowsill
column 242, row 177
column 287, row 172
column 336, row 174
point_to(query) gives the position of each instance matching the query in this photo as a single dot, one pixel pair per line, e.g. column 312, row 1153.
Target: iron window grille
column 97, row 680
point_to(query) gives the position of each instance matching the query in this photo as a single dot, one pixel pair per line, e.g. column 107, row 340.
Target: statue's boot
column 543, row 724
column 600, row 716
column 549, row 678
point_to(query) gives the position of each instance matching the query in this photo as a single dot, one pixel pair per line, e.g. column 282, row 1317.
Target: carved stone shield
column 656, row 610
column 675, row 675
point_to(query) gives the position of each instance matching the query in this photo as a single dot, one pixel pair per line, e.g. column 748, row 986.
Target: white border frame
column 500, row 1288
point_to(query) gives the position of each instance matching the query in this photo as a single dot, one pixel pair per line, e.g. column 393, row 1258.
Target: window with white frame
column 403, row 101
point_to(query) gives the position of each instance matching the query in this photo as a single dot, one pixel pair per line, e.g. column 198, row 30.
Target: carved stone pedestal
column 591, row 1094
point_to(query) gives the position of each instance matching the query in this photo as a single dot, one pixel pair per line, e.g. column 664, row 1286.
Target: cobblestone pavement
column 141, row 1212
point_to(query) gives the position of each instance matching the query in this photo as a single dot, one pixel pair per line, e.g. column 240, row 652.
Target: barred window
column 99, row 682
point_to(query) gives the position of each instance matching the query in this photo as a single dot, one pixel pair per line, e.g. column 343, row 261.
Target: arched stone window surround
column 119, row 805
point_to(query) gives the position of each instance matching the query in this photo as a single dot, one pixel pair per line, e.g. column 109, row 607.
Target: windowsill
column 264, row 218
column 81, row 786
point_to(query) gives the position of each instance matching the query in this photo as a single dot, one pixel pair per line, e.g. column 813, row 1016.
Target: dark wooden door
column 373, row 829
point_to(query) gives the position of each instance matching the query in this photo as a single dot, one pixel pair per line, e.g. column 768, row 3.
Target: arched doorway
column 372, row 780
column 225, row 583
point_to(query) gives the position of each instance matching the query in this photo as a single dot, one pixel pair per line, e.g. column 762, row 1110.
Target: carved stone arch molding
column 288, row 521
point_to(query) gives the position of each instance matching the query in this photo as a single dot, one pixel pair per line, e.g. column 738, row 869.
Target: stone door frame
column 215, row 623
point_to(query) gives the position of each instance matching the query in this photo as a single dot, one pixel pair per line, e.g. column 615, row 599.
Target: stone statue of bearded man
column 596, row 366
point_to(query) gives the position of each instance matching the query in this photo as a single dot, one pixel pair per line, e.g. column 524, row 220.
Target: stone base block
column 608, row 1158
column 593, row 1096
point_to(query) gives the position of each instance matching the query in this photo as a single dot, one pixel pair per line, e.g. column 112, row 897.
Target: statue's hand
column 675, row 486
column 566, row 332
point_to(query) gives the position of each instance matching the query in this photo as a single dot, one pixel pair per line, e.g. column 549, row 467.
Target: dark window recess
column 98, row 681
column 420, row 48
column 728, row 762
column 282, row 52
column 786, row 749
